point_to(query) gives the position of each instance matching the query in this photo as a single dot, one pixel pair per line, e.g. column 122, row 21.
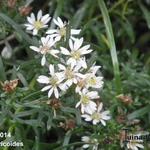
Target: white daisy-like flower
column 90, row 142
column 89, row 80
column 97, row 116
column 87, row 105
column 60, row 32
column 46, row 47
column 53, row 82
column 76, row 53
column 135, row 144
column 70, row 74
column 38, row 23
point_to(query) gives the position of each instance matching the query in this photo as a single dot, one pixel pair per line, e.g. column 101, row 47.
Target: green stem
column 112, row 45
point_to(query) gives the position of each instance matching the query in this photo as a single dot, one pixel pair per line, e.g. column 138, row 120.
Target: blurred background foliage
column 26, row 112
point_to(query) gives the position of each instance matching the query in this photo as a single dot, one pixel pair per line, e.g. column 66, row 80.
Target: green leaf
column 77, row 18
column 67, row 139
column 146, row 13
column 2, row 70
column 139, row 113
column 112, row 45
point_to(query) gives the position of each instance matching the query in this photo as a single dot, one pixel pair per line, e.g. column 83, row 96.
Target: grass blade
column 2, row 71
column 146, row 13
column 112, row 45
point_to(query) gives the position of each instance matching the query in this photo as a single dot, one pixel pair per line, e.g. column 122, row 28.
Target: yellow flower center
column 76, row 55
column 44, row 49
column 96, row 116
column 54, row 81
column 85, row 99
column 62, row 31
column 69, row 73
column 92, row 81
column 38, row 24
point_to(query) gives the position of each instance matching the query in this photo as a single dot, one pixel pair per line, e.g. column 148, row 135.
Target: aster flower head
column 76, row 53
column 70, row 74
column 97, row 116
column 86, row 97
column 89, row 80
column 53, row 83
column 90, row 143
column 46, row 47
column 35, row 24
column 60, row 32
column 135, row 144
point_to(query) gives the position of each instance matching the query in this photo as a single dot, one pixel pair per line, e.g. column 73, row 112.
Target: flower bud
column 25, row 10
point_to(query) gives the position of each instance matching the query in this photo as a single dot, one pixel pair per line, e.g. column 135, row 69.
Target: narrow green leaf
column 2, row 70
column 146, row 13
column 77, row 18
column 58, row 11
column 112, row 45
column 67, row 139
column 139, row 113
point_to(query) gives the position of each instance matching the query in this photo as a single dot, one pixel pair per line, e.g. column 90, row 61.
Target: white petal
column 85, row 146
column 39, row 15
column 43, row 60
column 61, row 24
column 93, row 94
column 61, row 67
column 35, row 48
column 95, row 121
column 35, row 32
column 56, row 93
column 100, row 107
column 46, row 88
column 69, row 82
column 78, row 104
column 139, row 145
column 30, row 20
column 50, row 92
column 71, row 44
column 75, row 32
column 51, row 31
column 43, row 79
column 64, row 51
column 45, row 18
column 51, row 69
column 103, row 122
column 32, row 17
column 78, row 43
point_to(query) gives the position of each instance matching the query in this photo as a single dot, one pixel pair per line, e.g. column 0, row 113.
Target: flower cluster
column 72, row 68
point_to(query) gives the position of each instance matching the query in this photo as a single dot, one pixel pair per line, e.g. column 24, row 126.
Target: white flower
column 97, row 116
column 46, row 47
column 38, row 23
column 89, row 80
column 61, row 30
column 90, row 142
column 135, row 144
column 77, row 53
column 87, row 105
column 70, row 74
column 53, row 82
